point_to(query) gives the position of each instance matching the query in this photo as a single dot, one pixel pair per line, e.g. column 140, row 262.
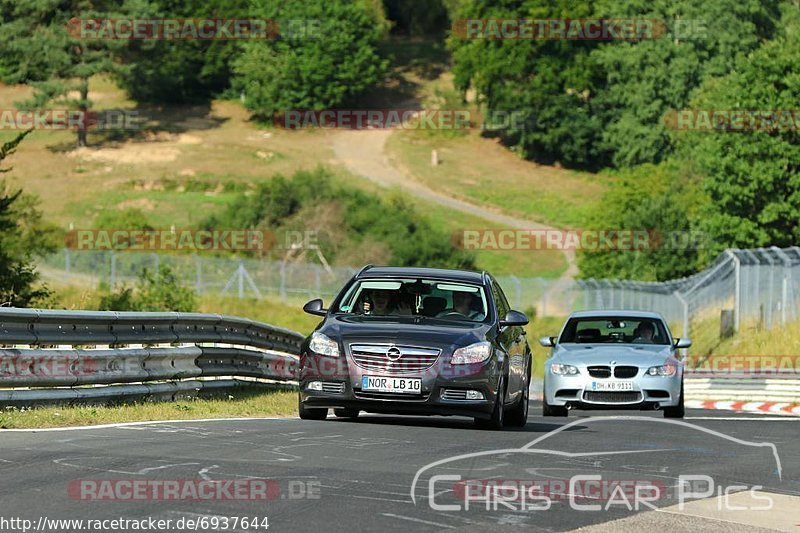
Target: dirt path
column 363, row 152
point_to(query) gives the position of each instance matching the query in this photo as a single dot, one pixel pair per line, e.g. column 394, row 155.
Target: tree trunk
column 82, row 133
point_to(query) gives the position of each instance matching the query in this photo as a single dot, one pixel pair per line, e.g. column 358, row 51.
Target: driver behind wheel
column 462, row 304
column 644, row 333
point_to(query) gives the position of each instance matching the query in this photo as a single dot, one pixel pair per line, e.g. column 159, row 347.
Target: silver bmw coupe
column 614, row 360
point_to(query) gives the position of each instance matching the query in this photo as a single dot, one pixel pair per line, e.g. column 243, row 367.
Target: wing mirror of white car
column 682, row 343
column 547, row 342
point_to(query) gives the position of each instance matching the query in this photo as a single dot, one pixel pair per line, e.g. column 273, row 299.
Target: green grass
column 238, row 404
column 478, row 170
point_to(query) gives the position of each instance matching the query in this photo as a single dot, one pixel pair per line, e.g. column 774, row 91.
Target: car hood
column 603, row 354
column 404, row 331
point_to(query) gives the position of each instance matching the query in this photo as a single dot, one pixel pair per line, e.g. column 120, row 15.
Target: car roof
column 629, row 313
column 467, row 276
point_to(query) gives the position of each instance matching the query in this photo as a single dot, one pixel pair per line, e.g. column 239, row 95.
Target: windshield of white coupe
column 448, row 300
column 626, row 330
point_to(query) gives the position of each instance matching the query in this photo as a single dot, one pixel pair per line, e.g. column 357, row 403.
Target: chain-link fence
column 742, row 288
column 756, row 288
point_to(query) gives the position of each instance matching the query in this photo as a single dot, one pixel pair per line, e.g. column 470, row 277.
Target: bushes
column 344, row 220
column 159, row 291
column 326, row 69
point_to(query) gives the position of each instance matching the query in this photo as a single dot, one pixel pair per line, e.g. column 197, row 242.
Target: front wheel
column 518, row 416
column 496, row 421
column 678, row 411
column 553, row 410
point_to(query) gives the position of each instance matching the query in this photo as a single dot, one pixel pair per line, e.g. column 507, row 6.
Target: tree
column 593, row 104
column 661, row 201
column 22, row 235
column 323, row 64
column 38, row 46
column 643, row 80
column 752, row 177
column 547, row 83
column 182, row 70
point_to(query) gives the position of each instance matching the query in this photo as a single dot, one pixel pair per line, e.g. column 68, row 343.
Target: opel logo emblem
column 393, row 353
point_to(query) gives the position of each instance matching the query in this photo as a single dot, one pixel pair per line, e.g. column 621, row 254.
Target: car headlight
column 663, row 370
column 323, row 345
column 474, row 353
column 564, row 370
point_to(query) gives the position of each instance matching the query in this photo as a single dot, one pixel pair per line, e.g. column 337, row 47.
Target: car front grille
column 612, row 397
column 625, row 371
column 622, row 372
column 385, row 357
column 599, row 371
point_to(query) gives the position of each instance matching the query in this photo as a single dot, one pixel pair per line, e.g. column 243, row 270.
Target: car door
column 513, row 341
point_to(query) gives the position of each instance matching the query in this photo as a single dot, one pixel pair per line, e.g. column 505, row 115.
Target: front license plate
column 612, row 385
column 391, row 384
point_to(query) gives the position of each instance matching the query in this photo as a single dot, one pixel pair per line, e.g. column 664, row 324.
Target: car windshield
column 626, row 330
column 447, row 300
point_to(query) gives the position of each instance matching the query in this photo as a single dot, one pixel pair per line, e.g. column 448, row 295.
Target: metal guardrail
column 63, row 356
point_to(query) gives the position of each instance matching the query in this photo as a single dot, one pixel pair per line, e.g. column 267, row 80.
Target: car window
column 446, row 300
column 615, row 329
column 500, row 301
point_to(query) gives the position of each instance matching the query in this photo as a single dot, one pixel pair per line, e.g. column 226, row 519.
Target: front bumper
column 647, row 392
column 341, row 380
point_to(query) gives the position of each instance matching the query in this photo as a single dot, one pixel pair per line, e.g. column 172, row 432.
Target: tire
column 308, row 413
column 345, row 412
column 497, row 419
column 553, row 410
column 518, row 415
column 678, row 411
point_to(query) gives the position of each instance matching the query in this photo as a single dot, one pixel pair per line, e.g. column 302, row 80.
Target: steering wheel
column 455, row 314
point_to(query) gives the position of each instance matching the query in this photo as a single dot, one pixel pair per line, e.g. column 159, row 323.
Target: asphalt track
column 361, row 474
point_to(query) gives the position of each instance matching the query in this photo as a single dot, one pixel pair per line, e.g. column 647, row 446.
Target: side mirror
column 683, row 343
column 514, row 318
column 547, row 342
column 314, row 307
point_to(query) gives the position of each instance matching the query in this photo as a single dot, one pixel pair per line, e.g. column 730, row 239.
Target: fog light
column 474, row 395
column 314, row 385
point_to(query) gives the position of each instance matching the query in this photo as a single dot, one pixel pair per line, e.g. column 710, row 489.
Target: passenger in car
column 382, row 303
